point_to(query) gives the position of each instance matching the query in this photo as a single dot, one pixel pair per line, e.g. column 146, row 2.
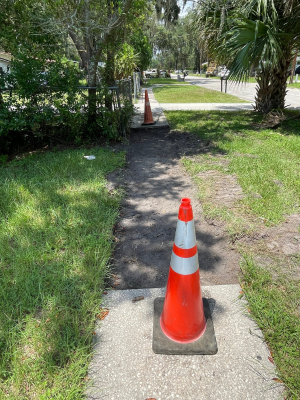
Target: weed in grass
column 55, row 244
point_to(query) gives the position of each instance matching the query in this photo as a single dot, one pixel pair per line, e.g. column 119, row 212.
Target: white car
column 151, row 73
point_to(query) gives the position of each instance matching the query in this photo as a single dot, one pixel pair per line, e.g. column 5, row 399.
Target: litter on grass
column 90, row 157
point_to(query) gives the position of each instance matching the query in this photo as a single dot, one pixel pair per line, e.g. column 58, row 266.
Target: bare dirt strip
column 155, row 181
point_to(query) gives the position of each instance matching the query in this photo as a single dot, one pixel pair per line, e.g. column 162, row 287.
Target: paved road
column 245, row 91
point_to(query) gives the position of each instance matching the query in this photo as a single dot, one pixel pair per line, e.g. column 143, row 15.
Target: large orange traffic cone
column 148, row 120
column 182, row 320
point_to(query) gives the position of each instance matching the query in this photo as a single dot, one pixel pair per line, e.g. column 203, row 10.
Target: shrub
column 42, row 104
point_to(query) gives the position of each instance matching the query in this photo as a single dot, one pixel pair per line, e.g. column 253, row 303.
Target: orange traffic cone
column 182, row 322
column 148, row 120
column 182, row 319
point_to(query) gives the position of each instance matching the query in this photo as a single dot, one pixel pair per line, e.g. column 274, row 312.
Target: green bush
column 41, row 103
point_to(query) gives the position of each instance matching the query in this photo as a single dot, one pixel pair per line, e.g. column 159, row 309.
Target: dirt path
column 155, row 182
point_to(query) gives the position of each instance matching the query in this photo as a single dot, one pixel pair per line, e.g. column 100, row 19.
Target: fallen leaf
column 105, row 292
column 48, row 319
column 137, row 298
column 271, row 360
column 103, row 313
column 116, row 284
column 94, row 333
column 277, row 380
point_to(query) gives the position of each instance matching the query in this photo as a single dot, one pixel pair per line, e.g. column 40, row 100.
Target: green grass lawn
column 294, row 85
column 192, row 94
column 203, row 76
column 164, row 81
column 55, row 244
column 266, row 163
column 251, row 79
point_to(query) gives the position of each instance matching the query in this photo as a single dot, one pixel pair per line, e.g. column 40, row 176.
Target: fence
column 136, row 84
column 129, row 85
column 125, row 88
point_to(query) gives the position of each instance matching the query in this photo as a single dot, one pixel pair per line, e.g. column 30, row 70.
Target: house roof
column 5, row 57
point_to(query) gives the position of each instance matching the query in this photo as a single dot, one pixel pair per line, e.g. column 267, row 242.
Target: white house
column 5, row 59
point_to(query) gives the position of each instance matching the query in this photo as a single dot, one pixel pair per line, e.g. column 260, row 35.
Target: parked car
column 211, row 69
column 151, row 73
column 297, row 70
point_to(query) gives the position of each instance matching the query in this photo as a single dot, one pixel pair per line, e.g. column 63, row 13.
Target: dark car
column 297, row 70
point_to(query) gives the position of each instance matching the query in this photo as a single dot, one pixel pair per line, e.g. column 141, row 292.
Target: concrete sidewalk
column 206, row 106
column 124, row 366
column 157, row 112
column 159, row 108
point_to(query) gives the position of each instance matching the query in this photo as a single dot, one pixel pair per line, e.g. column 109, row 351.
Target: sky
column 188, row 5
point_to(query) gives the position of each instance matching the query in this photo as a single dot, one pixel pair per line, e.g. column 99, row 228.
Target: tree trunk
column 200, row 66
column 271, row 86
column 279, row 81
column 109, row 75
column 293, row 68
column 92, row 94
column 263, row 92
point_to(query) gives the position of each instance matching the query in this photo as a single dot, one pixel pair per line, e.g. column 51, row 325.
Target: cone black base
column 206, row 344
column 149, row 123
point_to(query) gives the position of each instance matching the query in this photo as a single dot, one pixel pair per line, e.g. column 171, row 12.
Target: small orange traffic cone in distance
column 148, row 119
column 182, row 322
column 183, row 319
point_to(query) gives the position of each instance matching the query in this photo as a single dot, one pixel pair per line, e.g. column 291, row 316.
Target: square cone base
column 206, row 344
column 149, row 123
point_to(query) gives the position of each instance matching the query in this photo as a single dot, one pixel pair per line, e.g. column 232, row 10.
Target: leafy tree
column 18, row 28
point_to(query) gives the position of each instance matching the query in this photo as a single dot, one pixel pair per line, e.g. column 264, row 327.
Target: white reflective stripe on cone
column 184, row 266
column 185, row 237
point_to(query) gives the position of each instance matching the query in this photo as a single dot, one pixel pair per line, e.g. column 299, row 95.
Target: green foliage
column 274, row 305
column 47, row 106
column 20, row 28
column 143, row 48
column 125, row 61
column 56, row 240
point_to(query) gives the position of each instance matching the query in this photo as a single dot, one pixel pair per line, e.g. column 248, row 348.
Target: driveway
column 245, row 91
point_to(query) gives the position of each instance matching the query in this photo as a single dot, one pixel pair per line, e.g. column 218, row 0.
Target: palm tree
column 265, row 38
column 263, row 34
